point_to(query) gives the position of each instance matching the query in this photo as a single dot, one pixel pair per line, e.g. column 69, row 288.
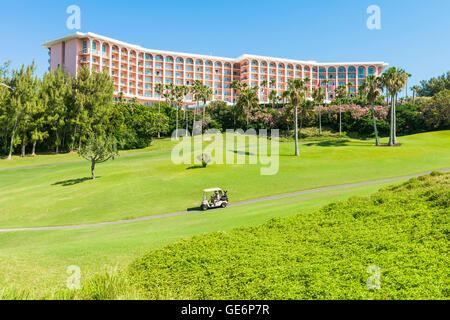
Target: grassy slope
column 37, row 261
column 318, row 255
column 148, row 184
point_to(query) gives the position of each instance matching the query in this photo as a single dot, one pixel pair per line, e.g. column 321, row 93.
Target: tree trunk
column 24, row 144
column 57, row 143
column 193, row 121
column 159, row 112
column 33, row 153
column 394, row 131
column 176, row 128
column 296, row 132
column 320, row 120
column 377, row 142
column 391, row 129
column 11, row 146
column 340, row 120
column 73, row 140
column 93, row 170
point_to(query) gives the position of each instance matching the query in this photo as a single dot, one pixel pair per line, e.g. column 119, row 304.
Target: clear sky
column 414, row 35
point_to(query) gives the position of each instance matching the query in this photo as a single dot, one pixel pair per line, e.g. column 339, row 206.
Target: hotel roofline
column 80, row 35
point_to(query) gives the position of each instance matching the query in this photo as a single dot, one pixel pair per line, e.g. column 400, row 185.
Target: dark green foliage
column 321, row 255
column 429, row 88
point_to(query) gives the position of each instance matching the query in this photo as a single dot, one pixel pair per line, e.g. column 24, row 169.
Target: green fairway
column 149, row 184
column 37, row 260
column 145, row 183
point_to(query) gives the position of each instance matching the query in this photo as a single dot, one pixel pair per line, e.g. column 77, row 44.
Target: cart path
column 242, row 203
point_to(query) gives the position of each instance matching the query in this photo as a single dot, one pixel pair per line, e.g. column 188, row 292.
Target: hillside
column 320, row 255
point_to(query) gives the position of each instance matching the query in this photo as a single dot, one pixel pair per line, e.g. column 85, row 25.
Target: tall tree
column 319, row 97
column 372, row 87
column 159, row 89
column 394, row 80
column 23, row 95
column 56, row 93
column 296, row 96
column 341, row 94
column 248, row 99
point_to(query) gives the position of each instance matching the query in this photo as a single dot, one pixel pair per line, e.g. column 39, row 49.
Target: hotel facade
column 136, row 70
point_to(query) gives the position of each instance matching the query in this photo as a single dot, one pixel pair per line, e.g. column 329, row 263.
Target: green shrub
column 321, row 255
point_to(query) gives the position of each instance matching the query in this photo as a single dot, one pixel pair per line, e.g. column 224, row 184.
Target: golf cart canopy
column 212, row 190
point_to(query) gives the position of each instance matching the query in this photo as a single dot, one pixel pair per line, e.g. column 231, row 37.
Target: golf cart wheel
column 224, row 205
column 204, row 207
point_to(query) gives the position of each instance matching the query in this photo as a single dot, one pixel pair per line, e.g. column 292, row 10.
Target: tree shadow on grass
column 196, row 167
column 72, row 182
column 336, row 143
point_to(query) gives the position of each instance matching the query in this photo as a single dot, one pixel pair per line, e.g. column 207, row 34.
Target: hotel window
column 158, row 80
column 217, row 85
column 188, row 68
column 189, row 75
column 227, row 72
column 148, row 72
column 226, row 86
column 217, row 78
column 351, row 76
column 208, row 63
column 169, row 66
column 351, row 69
column 227, row 65
column 168, row 81
column 84, row 46
column 341, row 83
column 158, row 66
column 159, row 58
column 371, row 71
column 272, row 65
column 198, row 77
column 254, row 70
column 169, row 59
column 169, row 73
column 332, row 70
column 148, row 64
column 208, row 70
column 198, row 62
column 178, row 75
column 361, row 72
column 94, row 46
column 208, row 77
column 179, row 67
column 289, row 67
column 322, row 77
column 217, row 64
column 179, row 60
column 178, row 82
column 342, row 76
column 148, row 57
column 198, row 69
column 148, row 79
column 189, row 61
column 227, row 79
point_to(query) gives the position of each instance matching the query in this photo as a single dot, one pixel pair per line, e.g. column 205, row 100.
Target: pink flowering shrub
column 356, row 111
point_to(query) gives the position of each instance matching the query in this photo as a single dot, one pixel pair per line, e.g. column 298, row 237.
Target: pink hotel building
column 136, row 70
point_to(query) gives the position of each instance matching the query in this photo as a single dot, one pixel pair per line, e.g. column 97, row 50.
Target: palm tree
column 371, row 87
column 273, row 97
column 295, row 94
column 415, row 90
column 319, row 97
column 406, row 91
column 307, row 81
column 264, row 85
column 394, row 80
column 341, row 93
column 159, row 89
column 197, row 94
column 206, row 94
column 248, row 98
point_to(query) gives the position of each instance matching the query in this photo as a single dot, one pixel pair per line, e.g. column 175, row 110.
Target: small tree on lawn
column 98, row 150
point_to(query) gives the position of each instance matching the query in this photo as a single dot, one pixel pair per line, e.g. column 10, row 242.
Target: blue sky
column 414, row 35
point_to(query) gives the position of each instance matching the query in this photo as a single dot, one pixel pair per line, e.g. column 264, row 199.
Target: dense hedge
column 321, row 255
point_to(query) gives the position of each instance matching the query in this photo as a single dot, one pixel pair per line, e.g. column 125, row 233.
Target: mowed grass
column 401, row 231
column 149, row 183
column 36, row 261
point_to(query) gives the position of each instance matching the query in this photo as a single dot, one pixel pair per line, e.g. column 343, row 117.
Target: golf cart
column 218, row 199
